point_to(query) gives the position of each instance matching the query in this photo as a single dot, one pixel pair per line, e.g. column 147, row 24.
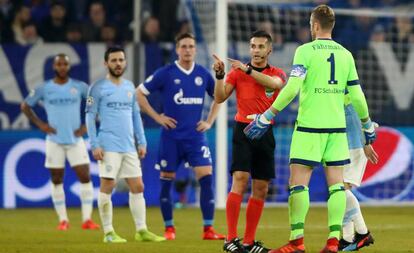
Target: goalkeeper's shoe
column 256, row 247
column 294, row 246
column 63, row 225
column 89, row 224
column 169, row 233
column 210, row 234
column 112, row 237
column 332, row 246
column 360, row 241
column 234, row 246
column 146, row 236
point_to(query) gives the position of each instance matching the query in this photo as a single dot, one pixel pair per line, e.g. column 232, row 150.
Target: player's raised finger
column 217, row 58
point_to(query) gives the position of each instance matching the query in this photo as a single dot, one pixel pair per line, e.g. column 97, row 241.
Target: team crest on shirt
column 163, row 163
column 177, row 81
column 32, row 93
column 269, row 93
column 129, row 94
column 89, row 100
column 108, row 168
column 149, row 79
column 73, row 91
column 198, row 81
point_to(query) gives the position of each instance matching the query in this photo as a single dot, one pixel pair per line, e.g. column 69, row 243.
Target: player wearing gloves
column 320, row 131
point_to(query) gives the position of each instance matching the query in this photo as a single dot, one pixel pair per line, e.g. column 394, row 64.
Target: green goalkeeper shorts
column 311, row 149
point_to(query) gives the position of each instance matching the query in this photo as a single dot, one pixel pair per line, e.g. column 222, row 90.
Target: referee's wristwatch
column 249, row 70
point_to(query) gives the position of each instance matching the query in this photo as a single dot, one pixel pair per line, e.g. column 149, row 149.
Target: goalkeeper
column 322, row 70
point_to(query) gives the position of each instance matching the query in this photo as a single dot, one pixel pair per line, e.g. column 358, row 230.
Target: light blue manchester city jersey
column 117, row 109
column 62, row 104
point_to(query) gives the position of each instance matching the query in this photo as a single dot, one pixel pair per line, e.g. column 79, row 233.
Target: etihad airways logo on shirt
column 179, row 99
column 119, row 105
column 63, row 101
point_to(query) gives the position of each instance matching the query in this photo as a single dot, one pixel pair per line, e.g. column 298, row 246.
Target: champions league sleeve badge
column 89, row 100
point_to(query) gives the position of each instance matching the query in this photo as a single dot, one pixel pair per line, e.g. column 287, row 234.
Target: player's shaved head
column 325, row 16
column 61, row 66
column 61, row 56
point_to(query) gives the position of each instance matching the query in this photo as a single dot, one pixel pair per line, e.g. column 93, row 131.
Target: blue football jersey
column 117, row 109
column 183, row 92
column 62, row 104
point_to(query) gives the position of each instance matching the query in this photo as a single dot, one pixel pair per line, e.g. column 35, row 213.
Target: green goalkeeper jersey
column 323, row 70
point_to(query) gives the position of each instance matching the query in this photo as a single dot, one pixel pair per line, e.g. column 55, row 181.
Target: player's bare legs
column 58, row 197
column 86, row 196
column 204, row 177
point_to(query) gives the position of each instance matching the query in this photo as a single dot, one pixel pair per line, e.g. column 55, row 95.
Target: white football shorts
column 354, row 171
column 120, row 165
column 56, row 154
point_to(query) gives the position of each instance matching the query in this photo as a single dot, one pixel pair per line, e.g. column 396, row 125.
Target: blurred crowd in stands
column 30, row 21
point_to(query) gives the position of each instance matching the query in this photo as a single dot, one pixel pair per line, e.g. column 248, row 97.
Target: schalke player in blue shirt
column 61, row 98
column 112, row 100
column 183, row 85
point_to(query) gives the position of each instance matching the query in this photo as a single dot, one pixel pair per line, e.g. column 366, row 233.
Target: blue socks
column 166, row 204
column 207, row 199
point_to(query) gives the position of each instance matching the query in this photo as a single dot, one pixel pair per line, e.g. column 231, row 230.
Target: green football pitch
column 33, row 230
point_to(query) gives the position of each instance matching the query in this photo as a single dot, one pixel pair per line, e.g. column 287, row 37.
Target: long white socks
column 353, row 219
column 105, row 211
column 86, row 196
column 138, row 210
column 58, row 198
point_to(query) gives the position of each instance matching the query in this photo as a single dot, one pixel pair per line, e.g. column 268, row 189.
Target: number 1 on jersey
column 331, row 59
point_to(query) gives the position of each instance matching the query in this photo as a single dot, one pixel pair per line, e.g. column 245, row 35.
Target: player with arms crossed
column 61, row 97
column 322, row 70
column 112, row 100
column 257, row 84
column 183, row 85
column 355, row 234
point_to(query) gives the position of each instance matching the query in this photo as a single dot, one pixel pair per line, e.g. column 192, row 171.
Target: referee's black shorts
column 253, row 156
